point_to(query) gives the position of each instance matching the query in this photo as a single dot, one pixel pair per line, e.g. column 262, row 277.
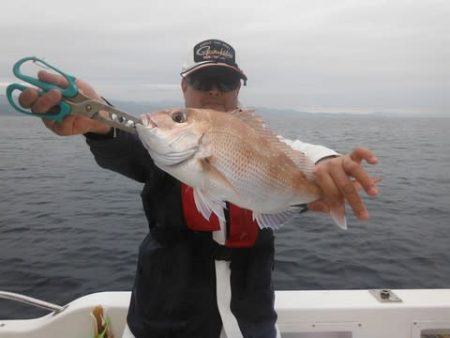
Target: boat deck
column 302, row 314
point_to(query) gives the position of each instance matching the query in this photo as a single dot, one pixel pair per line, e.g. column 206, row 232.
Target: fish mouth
column 146, row 121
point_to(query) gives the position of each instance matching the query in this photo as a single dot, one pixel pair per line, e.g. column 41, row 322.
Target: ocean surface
column 69, row 228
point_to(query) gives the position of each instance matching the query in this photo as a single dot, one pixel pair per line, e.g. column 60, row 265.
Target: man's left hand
column 341, row 178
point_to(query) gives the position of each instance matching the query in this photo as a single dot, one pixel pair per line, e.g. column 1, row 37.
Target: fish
column 232, row 157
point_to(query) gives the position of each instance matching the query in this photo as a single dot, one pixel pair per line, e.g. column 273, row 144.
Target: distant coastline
column 136, row 108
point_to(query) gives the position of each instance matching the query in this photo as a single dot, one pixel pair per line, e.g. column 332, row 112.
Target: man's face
column 211, row 88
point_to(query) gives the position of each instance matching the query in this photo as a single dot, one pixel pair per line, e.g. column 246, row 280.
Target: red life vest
column 242, row 229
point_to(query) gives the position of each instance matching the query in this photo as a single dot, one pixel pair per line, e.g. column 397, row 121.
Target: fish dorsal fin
column 299, row 158
column 256, row 122
column 251, row 118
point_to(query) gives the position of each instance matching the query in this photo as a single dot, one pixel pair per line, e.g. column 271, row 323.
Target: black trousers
column 175, row 287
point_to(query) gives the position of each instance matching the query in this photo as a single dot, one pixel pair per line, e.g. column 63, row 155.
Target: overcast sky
column 311, row 55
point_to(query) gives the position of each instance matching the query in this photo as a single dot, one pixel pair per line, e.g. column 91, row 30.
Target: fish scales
column 230, row 156
column 249, row 168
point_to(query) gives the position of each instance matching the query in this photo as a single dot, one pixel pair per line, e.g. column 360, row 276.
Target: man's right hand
column 72, row 124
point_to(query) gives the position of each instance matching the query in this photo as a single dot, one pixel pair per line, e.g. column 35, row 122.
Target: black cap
column 212, row 53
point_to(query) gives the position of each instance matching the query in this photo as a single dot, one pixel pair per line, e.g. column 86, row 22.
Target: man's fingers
column 331, row 194
column 358, row 186
column 350, row 192
column 326, row 183
column 48, row 101
column 354, row 169
column 360, row 154
column 319, row 206
column 28, row 97
column 53, row 78
column 45, row 102
column 341, row 179
column 61, row 128
column 50, row 124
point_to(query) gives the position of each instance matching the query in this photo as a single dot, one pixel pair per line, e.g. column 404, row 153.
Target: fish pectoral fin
column 216, row 174
column 206, row 205
column 275, row 221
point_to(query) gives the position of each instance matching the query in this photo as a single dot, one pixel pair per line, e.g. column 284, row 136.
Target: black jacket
column 174, row 293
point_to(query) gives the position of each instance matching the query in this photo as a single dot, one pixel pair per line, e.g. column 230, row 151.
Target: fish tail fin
column 337, row 213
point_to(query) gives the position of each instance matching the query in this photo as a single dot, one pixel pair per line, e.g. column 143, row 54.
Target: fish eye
column 179, row 117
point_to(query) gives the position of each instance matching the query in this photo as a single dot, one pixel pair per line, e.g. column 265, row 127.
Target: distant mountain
column 137, row 108
column 264, row 111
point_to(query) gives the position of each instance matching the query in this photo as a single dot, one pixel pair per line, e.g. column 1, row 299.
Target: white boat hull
column 302, row 314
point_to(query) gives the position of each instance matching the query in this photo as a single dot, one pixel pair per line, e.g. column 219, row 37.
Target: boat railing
column 17, row 297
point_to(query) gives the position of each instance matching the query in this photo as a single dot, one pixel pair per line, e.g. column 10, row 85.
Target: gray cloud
column 324, row 55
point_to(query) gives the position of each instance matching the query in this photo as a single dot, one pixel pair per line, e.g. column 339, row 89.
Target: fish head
column 172, row 136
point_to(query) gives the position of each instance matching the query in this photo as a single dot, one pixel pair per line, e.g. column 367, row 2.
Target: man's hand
column 72, row 124
column 341, row 178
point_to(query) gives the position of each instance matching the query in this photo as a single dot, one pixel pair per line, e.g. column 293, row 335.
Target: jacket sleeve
column 312, row 151
column 123, row 153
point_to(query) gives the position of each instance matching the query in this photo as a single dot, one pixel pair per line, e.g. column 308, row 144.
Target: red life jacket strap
column 242, row 229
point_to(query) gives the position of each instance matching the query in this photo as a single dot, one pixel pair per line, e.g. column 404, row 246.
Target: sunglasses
column 204, row 84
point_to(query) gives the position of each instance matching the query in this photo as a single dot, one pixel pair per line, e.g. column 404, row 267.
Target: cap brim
column 216, row 65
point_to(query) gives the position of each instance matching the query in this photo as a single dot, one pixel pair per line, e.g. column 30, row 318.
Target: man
column 195, row 279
